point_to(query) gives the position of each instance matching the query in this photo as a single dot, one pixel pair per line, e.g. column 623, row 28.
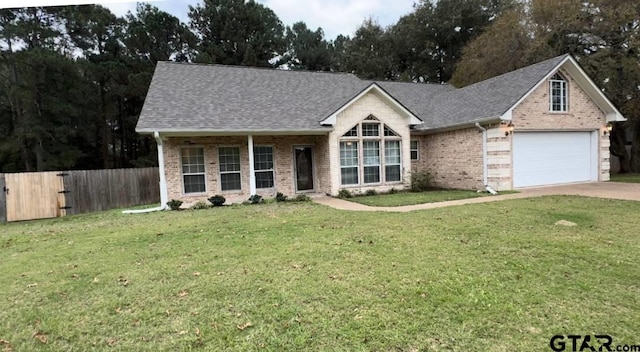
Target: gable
column 572, row 70
column 383, row 100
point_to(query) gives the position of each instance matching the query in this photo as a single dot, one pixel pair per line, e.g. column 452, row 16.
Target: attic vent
column 371, row 118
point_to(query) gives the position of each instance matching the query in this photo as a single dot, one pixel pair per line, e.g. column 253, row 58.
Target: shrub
column 255, row 199
column 393, row 191
column 421, row 180
column 371, row 192
column 174, row 204
column 280, row 197
column 302, row 198
column 217, row 200
column 200, row 205
column 344, row 193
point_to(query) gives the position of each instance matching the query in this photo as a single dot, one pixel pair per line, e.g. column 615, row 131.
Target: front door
column 304, row 168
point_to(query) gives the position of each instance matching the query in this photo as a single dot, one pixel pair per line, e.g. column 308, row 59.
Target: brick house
column 239, row 131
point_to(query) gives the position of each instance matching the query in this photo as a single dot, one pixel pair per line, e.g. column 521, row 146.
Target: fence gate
column 34, row 195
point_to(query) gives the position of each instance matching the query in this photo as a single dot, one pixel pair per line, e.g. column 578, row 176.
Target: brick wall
column 369, row 104
column 283, row 160
column 454, row 158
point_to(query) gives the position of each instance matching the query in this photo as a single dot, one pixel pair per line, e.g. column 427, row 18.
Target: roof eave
column 466, row 124
column 235, row 132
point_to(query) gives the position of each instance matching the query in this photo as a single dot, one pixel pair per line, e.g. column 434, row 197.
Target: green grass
column 410, row 198
column 487, row 277
column 627, row 178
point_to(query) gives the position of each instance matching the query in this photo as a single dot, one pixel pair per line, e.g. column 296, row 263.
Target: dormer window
column 558, row 93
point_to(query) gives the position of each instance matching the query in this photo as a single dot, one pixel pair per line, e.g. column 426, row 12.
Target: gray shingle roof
column 188, row 97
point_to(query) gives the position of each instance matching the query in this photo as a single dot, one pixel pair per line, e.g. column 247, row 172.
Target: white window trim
column 417, row 150
column 357, row 166
column 564, row 93
column 273, row 168
column 204, row 173
column 220, row 172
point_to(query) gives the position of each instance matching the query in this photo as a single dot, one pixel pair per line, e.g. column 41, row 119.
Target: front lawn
column 285, row 277
column 627, row 178
column 411, row 198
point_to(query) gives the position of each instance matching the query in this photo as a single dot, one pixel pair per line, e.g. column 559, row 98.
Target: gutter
column 164, row 197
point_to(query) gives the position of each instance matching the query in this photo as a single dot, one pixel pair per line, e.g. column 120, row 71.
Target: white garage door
column 546, row 158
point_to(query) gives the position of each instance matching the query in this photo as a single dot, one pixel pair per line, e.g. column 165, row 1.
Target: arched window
column 558, row 93
column 361, row 158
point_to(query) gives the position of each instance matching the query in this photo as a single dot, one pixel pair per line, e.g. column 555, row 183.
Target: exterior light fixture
column 509, row 129
column 608, row 128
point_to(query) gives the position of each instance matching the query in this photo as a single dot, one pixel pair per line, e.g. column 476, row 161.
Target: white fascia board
column 213, row 132
column 414, row 120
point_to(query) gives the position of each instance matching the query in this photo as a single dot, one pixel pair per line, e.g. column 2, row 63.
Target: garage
column 548, row 158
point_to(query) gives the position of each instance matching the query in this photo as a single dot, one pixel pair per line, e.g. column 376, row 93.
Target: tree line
column 73, row 79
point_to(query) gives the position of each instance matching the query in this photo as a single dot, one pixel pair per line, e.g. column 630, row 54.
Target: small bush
column 302, row 198
column 174, row 204
column 280, row 197
column 217, row 200
column 371, row 192
column 200, row 205
column 255, row 199
column 393, row 191
column 344, row 193
column 421, row 180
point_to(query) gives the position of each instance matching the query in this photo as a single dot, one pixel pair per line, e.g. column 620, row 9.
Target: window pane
column 371, row 152
column 392, row 173
column 414, row 155
column 263, row 158
column 194, row 184
column 229, row 182
column 371, row 174
column 389, row 132
column 264, row 179
column 370, row 129
column 348, row 154
column 352, row 132
column 392, row 152
column 229, row 158
column 349, row 175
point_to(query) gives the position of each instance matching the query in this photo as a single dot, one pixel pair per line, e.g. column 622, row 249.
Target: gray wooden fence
column 29, row 196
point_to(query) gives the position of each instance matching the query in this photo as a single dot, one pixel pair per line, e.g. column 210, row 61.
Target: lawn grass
column 487, row 277
column 627, row 178
column 411, row 198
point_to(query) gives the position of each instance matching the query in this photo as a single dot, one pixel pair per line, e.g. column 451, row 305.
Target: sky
column 334, row 16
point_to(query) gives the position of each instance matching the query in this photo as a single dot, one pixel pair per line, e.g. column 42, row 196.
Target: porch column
column 252, row 173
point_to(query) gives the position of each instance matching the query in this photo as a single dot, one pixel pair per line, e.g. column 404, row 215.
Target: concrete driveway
column 612, row 190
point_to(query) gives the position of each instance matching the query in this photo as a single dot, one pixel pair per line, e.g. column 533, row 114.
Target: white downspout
column 252, row 174
column 164, row 197
column 485, row 178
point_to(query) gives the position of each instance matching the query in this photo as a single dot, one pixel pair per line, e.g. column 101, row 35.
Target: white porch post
column 252, row 173
column 164, row 196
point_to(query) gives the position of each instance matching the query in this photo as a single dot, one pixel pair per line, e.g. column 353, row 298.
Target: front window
column 392, row 161
column 558, row 88
column 263, row 165
column 349, row 162
column 415, row 153
column 361, row 158
column 192, row 165
column 371, row 152
column 229, row 158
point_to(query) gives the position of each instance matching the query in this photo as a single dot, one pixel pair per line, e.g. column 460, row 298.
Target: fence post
column 3, row 199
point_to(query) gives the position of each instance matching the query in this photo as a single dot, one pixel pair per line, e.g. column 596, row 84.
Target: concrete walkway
column 611, row 190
